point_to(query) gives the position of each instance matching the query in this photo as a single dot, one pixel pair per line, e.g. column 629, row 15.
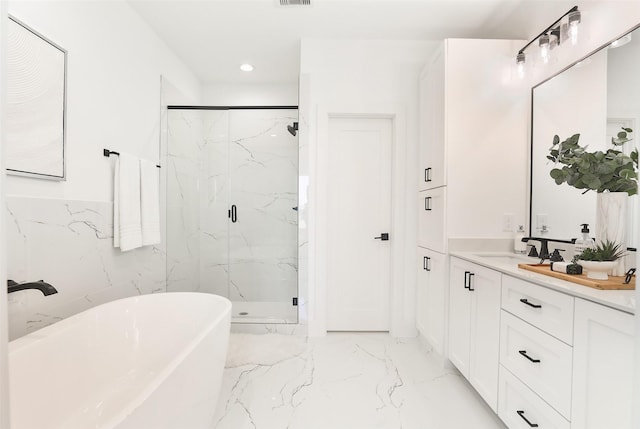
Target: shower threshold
column 263, row 312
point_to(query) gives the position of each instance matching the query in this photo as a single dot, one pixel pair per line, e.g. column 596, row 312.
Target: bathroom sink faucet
column 40, row 285
column 544, row 245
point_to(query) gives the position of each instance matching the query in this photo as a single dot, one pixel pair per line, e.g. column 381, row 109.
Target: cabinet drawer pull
column 521, row 414
column 524, row 353
column 426, row 263
column 525, row 301
column 427, row 174
column 467, row 283
column 427, row 203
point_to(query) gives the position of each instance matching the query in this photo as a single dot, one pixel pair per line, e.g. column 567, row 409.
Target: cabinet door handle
column 524, row 353
column 427, row 203
column 427, row 174
column 467, row 284
column 521, row 414
column 427, row 263
column 526, row 301
column 470, row 288
column 424, row 262
column 234, row 213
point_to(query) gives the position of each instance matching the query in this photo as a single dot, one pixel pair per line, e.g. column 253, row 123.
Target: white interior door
column 359, row 209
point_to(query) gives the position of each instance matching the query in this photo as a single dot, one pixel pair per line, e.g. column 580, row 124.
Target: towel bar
column 108, row 153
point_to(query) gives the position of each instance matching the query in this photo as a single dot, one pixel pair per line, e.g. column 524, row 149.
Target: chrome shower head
column 293, row 129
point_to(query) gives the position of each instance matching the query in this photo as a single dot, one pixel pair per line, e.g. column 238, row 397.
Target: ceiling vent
column 295, row 2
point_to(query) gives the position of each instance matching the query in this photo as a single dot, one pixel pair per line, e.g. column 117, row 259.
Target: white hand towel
column 150, row 202
column 127, row 232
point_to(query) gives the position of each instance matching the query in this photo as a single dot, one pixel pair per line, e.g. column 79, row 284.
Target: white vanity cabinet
column 431, row 294
column 474, row 325
column 603, row 349
column 564, row 361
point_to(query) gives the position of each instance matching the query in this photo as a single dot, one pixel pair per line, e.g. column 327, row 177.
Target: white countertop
column 506, row 263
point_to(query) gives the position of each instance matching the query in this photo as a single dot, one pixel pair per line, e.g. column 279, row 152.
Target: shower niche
column 232, row 220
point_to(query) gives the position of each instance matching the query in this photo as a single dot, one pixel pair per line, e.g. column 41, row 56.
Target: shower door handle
column 233, row 213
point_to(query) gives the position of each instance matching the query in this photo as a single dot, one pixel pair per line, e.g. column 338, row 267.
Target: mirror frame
column 33, row 171
column 598, row 49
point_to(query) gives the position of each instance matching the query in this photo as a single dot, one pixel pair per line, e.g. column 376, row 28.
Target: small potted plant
column 601, row 259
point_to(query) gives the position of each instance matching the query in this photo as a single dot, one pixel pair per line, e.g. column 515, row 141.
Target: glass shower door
column 263, row 228
column 232, row 181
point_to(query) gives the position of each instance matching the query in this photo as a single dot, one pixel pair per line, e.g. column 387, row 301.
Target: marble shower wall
column 185, row 143
column 214, row 204
column 69, row 244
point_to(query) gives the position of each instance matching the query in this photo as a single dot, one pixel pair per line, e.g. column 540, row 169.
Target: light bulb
column 544, row 47
column 574, row 20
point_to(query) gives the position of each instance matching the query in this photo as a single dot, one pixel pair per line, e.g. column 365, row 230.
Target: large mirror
column 35, row 131
column 594, row 97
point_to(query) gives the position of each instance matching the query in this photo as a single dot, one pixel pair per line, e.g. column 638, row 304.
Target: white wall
column 227, row 94
column 4, row 380
column 363, row 76
column 114, row 65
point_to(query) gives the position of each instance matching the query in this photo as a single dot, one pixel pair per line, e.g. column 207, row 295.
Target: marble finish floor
column 343, row 381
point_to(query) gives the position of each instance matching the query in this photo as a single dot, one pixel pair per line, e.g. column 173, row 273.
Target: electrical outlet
column 508, row 222
column 542, row 222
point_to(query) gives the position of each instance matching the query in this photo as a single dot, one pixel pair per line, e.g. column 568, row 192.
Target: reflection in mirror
column 594, row 98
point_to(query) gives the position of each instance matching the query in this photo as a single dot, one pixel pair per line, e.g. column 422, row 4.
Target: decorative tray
column 614, row 282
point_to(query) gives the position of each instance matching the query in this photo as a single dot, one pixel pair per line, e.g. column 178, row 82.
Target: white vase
column 598, row 270
column 611, row 222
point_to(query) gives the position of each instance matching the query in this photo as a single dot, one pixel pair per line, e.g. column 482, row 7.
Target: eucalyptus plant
column 612, row 171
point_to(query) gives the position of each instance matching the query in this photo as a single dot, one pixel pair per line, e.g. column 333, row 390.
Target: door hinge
column 295, row 300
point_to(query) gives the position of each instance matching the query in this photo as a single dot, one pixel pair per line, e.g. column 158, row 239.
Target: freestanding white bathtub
column 147, row 362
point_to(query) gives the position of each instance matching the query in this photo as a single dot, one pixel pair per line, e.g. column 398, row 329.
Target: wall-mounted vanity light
column 551, row 38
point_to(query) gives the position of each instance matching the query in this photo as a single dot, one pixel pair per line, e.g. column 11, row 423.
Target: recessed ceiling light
column 246, row 67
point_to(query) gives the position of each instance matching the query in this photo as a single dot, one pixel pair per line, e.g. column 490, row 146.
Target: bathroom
column 123, row 72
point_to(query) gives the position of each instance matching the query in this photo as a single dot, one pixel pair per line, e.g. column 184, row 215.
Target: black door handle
column 521, row 414
column 384, row 236
column 524, row 353
column 427, row 174
column 470, row 288
column 526, row 301
column 467, row 283
column 234, row 213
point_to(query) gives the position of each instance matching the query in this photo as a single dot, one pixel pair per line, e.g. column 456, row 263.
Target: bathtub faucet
column 40, row 285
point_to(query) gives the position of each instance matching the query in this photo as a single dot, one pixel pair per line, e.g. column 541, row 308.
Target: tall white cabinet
column 472, row 118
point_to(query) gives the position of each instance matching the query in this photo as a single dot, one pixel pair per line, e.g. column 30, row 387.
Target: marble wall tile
column 69, row 244
column 185, row 143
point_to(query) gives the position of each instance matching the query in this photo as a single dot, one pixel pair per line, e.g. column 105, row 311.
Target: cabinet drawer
column 516, row 402
column 544, row 308
column 542, row 362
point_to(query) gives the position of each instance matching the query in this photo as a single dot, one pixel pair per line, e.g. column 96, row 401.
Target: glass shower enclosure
column 232, row 219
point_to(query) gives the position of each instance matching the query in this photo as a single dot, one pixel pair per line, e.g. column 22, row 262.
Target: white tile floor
column 343, row 381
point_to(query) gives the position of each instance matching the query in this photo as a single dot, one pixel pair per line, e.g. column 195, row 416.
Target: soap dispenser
column 585, row 242
column 519, row 246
